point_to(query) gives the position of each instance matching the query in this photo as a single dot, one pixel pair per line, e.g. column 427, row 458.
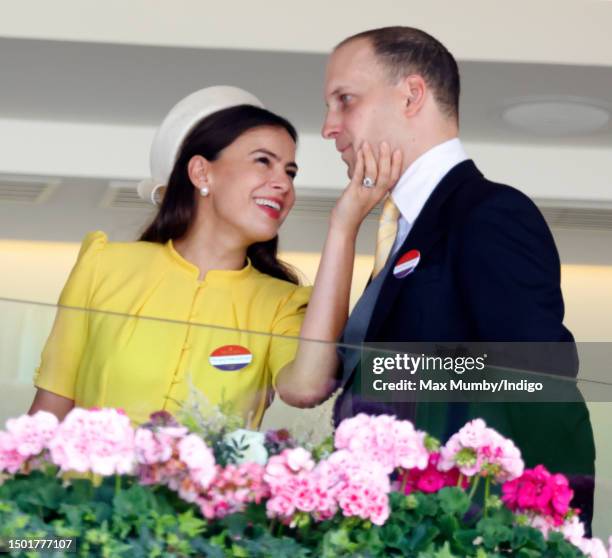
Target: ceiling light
column 556, row 117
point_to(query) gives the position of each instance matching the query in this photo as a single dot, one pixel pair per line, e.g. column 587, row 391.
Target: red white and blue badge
column 407, row 264
column 230, row 357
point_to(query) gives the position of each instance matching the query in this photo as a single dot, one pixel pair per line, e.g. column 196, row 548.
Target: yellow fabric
column 141, row 340
column 387, row 231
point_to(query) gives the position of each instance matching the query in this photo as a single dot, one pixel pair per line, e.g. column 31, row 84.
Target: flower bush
column 207, row 488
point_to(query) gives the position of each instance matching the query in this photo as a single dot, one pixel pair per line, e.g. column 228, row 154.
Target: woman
column 207, row 259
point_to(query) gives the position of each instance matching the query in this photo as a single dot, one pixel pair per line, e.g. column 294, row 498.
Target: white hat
column 178, row 123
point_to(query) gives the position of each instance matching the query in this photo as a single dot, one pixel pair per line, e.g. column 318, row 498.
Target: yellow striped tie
column 387, row 231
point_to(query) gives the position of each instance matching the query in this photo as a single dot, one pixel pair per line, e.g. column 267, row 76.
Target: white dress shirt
column 418, row 182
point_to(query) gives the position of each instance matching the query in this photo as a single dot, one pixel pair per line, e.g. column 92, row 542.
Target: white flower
column 255, row 452
column 573, row 530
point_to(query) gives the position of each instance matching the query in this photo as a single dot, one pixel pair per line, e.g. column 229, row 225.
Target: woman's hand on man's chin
column 358, row 200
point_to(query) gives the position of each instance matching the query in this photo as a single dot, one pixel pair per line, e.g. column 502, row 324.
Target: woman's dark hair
column 208, row 138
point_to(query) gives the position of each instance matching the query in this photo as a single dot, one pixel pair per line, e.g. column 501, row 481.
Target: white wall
column 103, row 151
column 36, row 271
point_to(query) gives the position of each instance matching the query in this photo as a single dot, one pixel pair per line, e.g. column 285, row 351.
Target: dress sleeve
column 63, row 350
column 286, row 329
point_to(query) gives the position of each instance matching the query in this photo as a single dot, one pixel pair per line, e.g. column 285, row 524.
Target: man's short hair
column 405, row 50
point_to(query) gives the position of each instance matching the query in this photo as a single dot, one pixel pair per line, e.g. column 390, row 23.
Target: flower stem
column 117, row 484
column 487, row 492
column 404, row 481
column 474, row 487
column 460, row 480
column 272, row 526
column 306, row 531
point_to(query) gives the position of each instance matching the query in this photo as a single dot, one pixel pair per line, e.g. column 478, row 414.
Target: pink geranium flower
column 167, row 454
column 10, row 458
column 26, row 437
column 393, row 443
column 232, row 488
column 541, row 492
column 100, row 442
column 291, row 483
column 479, row 450
column 345, row 481
column 199, row 459
column 32, row 432
column 432, row 479
column 152, row 446
column 363, row 487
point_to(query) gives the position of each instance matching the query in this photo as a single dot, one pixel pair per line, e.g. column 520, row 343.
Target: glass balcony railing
column 539, row 394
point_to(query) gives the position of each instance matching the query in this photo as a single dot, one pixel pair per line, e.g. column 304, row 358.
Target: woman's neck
column 208, row 249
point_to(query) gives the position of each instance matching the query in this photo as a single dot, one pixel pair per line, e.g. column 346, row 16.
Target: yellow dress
column 136, row 328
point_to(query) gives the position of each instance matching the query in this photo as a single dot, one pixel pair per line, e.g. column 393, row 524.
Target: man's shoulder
column 479, row 196
column 485, row 213
column 482, row 191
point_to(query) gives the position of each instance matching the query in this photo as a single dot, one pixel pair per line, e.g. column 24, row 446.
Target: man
column 487, row 269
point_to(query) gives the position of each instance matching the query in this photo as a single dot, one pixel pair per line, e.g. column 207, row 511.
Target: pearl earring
column 204, row 191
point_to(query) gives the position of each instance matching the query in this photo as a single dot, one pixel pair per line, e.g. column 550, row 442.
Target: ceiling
column 131, row 84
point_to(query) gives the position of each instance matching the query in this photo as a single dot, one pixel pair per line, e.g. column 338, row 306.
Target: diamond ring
column 367, row 182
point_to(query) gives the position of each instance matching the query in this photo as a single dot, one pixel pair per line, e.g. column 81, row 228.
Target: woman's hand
column 310, row 378
column 357, row 200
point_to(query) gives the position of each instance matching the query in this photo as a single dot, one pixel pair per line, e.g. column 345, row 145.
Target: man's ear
column 414, row 89
column 198, row 170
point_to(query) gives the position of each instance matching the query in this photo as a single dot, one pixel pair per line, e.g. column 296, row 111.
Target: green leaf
column 443, row 552
column 448, row 525
column 239, row 551
column 560, row 548
column 392, row 535
column 421, row 536
column 80, row 492
column 432, row 444
column 99, row 512
column 133, row 503
column 236, row 524
column 464, row 539
column 427, row 504
column 493, row 532
column 528, row 553
column 202, row 547
column 266, row 545
column 35, row 493
column 525, row 537
column 337, row 542
column 324, row 449
column 402, row 502
column 454, row 501
column 190, row 525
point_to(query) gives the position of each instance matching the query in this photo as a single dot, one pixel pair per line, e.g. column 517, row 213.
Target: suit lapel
column 426, row 231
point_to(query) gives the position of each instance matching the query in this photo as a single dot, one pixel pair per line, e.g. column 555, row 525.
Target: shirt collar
column 420, row 179
column 213, row 275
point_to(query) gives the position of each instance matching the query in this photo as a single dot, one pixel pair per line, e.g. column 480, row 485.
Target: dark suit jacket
column 489, row 271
